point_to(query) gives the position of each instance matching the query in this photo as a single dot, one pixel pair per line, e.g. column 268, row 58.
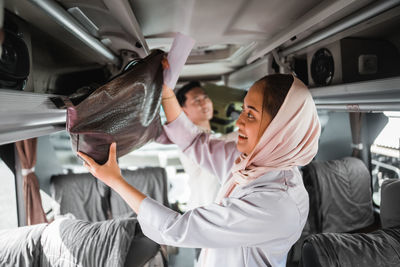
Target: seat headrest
column 348, row 182
column 390, row 199
column 379, row 248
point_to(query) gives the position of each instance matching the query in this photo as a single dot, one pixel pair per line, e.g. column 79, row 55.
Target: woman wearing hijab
column 262, row 206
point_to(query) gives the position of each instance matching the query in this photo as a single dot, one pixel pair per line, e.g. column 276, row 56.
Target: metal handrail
column 65, row 19
column 346, row 23
column 387, row 166
column 25, row 115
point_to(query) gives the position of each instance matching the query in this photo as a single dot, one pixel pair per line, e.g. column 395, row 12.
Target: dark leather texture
column 125, row 110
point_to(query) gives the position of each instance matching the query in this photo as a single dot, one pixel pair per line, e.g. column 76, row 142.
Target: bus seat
column 79, row 195
column 151, row 181
column 144, row 251
column 340, row 199
column 390, row 200
column 72, row 242
column 340, row 195
column 379, row 248
column 89, row 199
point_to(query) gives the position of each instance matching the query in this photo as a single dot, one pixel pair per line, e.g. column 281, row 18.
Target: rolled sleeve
column 181, row 131
column 234, row 223
column 152, row 216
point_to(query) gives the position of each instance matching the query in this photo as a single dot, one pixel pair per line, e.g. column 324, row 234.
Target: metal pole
column 22, row 133
column 25, row 115
column 62, row 17
column 349, row 21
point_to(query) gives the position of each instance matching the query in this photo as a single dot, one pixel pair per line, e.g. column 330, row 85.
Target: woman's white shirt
column 203, row 185
column 255, row 226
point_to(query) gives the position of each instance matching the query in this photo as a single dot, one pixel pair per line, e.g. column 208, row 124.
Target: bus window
column 385, row 154
column 8, row 198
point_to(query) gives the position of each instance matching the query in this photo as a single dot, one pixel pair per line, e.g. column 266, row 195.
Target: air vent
column 352, row 60
column 322, row 67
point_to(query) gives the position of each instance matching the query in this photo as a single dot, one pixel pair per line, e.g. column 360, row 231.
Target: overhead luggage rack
column 26, row 115
column 367, row 96
column 66, row 20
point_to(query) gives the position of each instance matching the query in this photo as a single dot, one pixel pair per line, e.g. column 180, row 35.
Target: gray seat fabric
column 340, row 195
column 142, row 249
column 21, row 246
column 151, row 181
column 379, row 248
column 340, row 199
column 80, row 195
column 88, row 199
column 69, row 243
column 390, row 203
column 309, row 256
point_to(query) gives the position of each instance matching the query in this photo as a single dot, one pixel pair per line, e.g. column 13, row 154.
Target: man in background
column 198, row 107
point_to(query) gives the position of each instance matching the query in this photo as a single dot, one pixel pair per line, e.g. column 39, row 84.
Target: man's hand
column 109, row 172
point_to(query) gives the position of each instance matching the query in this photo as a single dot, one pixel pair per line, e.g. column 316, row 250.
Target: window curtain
column 33, row 202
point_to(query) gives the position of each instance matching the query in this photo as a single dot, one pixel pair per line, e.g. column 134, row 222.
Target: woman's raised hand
column 165, row 66
column 169, row 102
column 109, row 172
column 165, row 63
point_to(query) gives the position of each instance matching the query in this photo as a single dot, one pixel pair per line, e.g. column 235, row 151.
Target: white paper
column 177, row 56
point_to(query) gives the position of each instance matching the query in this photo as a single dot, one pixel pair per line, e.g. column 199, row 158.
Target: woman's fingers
column 165, row 63
column 112, row 156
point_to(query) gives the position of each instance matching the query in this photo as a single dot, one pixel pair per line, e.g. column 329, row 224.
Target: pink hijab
column 290, row 140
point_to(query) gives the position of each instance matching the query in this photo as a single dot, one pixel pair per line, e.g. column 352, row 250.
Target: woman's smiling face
column 253, row 120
